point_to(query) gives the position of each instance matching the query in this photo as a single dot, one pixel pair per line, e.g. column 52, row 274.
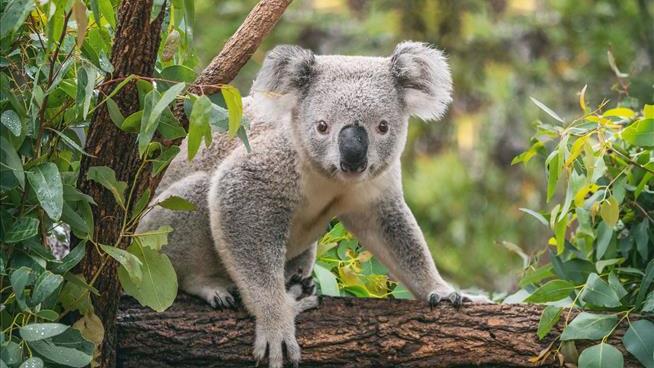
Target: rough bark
column 342, row 332
column 134, row 52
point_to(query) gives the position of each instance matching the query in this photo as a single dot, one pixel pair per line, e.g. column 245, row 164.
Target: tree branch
column 343, row 332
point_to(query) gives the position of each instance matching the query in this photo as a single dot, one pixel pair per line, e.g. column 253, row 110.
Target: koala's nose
column 353, row 146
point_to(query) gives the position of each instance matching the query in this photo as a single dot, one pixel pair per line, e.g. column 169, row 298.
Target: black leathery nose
column 353, row 147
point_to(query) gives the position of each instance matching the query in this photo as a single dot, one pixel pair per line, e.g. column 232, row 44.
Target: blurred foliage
column 458, row 177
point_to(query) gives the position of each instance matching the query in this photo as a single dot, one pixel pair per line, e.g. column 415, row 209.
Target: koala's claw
column 454, row 297
column 434, row 299
column 223, row 300
column 274, row 346
column 300, row 287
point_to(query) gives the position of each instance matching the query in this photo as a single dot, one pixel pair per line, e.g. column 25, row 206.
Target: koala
column 327, row 134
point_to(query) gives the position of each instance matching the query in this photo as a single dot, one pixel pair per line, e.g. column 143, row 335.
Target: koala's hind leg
column 302, row 264
column 213, row 289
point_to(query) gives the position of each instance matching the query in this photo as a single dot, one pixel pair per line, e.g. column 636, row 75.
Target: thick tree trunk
column 342, row 332
column 134, row 52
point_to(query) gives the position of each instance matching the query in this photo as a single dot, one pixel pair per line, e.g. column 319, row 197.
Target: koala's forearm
column 389, row 230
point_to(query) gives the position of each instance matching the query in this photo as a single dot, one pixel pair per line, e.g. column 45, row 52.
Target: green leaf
column 24, row 228
column 154, row 239
column 48, row 314
column 107, row 10
column 589, row 326
column 598, row 292
column 150, row 119
column 601, row 356
column 85, row 85
column 40, row 331
column 69, row 349
column 552, row 291
column 11, row 120
column 71, row 259
column 11, row 353
column 641, row 236
column 616, row 285
column 75, row 294
column 106, row 177
column 166, row 156
column 549, row 318
column 45, row 285
column 46, row 183
column 536, row 215
column 19, row 279
column 604, row 235
column 621, row 112
column 536, row 275
column 10, row 162
column 157, row 5
column 115, row 114
column 553, row 171
column 129, row 261
column 610, row 211
column 640, row 133
column 178, row 73
column 158, row 287
column 176, row 203
column 549, row 111
column 70, row 142
column 648, row 277
column 326, row 281
column 401, row 292
column 648, row 305
column 199, row 127
column 33, row 362
column 600, row 265
column 132, row 123
column 14, row 15
column 141, row 203
column 234, row 104
column 639, row 341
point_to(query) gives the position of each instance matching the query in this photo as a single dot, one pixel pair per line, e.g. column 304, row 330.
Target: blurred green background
column 458, row 176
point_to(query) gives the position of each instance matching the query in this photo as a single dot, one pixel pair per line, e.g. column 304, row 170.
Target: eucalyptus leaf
column 589, row 326
column 46, row 183
column 601, row 356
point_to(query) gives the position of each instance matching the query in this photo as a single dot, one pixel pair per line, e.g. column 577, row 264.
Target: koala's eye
column 322, row 127
column 382, row 128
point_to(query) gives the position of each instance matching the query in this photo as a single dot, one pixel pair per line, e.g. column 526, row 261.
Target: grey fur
column 260, row 213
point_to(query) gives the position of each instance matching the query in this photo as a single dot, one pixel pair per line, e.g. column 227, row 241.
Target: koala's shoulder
column 270, row 169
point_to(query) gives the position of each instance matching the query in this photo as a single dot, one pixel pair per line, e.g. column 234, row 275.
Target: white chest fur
column 324, row 199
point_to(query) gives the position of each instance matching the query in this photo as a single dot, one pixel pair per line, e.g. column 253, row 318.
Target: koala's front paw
column 454, row 297
column 299, row 287
column 273, row 339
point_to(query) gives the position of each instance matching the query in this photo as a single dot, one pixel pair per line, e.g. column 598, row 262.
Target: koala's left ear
column 424, row 77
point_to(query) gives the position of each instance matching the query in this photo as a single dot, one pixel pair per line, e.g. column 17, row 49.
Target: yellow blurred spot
column 522, row 6
column 466, row 132
column 329, row 5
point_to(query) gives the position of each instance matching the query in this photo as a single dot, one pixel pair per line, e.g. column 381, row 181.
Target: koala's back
column 209, row 158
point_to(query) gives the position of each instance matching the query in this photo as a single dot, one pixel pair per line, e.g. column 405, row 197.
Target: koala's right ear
column 286, row 69
column 285, row 72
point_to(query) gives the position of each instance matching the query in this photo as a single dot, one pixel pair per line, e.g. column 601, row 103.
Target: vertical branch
column 134, row 52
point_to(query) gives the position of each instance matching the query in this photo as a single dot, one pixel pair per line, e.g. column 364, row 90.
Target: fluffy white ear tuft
column 423, row 74
column 285, row 72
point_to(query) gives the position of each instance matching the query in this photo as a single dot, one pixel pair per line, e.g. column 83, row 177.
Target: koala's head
column 349, row 114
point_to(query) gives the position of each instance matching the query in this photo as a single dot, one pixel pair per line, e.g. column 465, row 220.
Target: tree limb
column 342, row 332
